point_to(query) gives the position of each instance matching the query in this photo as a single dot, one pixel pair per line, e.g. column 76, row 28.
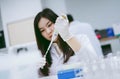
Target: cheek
column 53, row 27
column 43, row 34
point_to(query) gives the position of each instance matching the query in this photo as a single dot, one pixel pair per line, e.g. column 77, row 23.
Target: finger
column 64, row 16
column 62, row 20
column 59, row 20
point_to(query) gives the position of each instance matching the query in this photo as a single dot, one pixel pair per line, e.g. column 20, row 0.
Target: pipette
column 53, row 38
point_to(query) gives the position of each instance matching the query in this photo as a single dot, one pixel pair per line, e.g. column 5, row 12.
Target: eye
column 42, row 30
column 49, row 25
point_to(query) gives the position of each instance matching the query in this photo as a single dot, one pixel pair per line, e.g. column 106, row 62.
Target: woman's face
column 46, row 28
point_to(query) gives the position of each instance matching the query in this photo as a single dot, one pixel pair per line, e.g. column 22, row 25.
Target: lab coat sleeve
column 86, row 52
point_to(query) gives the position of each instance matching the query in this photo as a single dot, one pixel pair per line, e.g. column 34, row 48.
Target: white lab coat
column 77, row 27
column 85, row 54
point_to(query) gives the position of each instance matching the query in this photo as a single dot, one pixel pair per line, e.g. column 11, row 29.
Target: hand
column 42, row 63
column 62, row 27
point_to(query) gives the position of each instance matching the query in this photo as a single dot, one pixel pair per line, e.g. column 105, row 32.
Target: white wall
column 1, row 23
column 100, row 13
column 58, row 6
column 0, row 20
column 15, row 10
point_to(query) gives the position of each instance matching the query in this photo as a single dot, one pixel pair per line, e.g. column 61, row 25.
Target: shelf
column 109, row 38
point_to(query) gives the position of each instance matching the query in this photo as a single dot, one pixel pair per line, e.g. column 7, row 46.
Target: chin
column 49, row 39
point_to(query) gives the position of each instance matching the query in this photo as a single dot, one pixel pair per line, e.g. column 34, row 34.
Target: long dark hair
column 43, row 44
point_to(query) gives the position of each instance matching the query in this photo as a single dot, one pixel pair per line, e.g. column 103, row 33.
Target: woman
column 66, row 48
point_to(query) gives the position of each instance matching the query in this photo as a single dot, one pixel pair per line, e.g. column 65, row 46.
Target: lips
column 50, row 36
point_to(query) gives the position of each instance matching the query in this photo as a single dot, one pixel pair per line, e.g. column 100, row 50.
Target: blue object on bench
column 70, row 73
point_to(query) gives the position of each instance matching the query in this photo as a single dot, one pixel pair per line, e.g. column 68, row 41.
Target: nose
column 48, row 30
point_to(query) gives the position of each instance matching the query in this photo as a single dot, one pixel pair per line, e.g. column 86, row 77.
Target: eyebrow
column 46, row 24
